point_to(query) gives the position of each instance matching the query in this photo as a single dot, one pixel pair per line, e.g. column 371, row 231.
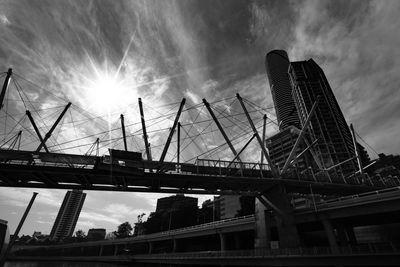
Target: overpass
column 147, row 248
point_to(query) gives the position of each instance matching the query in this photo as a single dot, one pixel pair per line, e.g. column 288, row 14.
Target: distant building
column 68, row 215
column 229, row 206
column 96, row 234
column 210, row 210
column 176, row 202
column 328, row 125
column 277, row 66
column 171, row 213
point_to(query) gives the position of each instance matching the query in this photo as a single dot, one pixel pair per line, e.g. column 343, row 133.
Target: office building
column 68, row 215
column 334, row 148
column 176, row 202
column 277, row 65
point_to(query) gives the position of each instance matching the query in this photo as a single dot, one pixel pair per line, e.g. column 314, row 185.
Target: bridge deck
column 66, row 171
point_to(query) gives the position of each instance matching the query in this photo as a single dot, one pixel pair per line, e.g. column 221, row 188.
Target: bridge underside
column 130, row 179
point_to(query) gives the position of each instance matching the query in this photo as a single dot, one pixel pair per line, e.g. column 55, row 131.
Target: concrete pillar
column 283, row 214
column 101, row 250
column 222, row 239
column 330, row 234
column 262, row 235
column 151, row 247
column 115, row 250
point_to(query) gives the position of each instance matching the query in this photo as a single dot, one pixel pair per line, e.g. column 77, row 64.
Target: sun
column 109, row 93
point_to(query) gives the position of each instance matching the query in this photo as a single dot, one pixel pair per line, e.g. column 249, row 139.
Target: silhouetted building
column 96, row 234
column 210, row 211
column 328, row 125
column 175, row 203
column 277, row 66
column 229, row 205
column 171, row 213
column 68, row 215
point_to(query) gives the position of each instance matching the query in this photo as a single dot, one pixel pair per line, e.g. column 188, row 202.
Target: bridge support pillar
column 284, row 218
column 263, row 217
column 330, row 234
column 222, row 239
column 151, row 245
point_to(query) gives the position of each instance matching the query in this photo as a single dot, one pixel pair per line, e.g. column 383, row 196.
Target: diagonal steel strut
column 271, row 165
column 171, row 133
column 47, row 136
column 300, row 137
column 221, row 129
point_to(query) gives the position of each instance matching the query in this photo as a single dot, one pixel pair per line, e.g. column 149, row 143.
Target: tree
column 80, row 234
column 124, row 230
column 140, row 217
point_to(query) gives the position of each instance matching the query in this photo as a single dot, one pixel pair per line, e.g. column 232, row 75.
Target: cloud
column 4, row 20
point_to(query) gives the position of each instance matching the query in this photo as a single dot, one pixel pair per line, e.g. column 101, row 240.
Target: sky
column 75, row 51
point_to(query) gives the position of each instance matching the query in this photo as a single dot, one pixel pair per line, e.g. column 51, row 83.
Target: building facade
column 334, row 148
column 280, row 145
column 68, row 215
column 277, row 66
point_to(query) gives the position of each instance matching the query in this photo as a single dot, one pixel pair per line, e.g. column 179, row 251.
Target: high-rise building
column 334, row 148
column 277, row 66
column 280, row 145
column 68, row 215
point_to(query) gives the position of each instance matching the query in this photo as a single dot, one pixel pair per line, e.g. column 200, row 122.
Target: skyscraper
column 68, row 215
column 277, row 66
column 334, row 148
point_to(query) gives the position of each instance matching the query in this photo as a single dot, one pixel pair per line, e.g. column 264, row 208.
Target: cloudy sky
column 165, row 50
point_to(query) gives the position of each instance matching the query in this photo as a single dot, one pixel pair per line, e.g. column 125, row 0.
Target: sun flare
column 107, row 93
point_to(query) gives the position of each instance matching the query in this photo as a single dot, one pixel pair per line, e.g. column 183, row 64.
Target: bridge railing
column 230, row 164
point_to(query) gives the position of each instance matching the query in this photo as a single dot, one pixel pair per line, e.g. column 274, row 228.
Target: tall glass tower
column 68, row 215
column 277, row 66
column 335, row 147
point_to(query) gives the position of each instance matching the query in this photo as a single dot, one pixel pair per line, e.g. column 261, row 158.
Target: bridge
column 220, row 151
column 38, row 158
column 66, row 171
